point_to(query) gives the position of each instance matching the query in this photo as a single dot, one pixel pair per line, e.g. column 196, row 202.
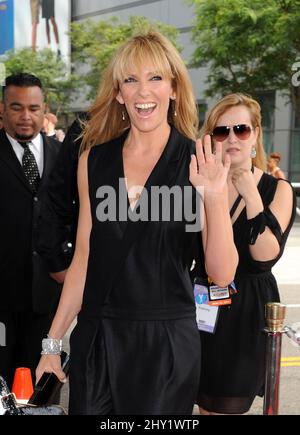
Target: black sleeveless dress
column 233, row 359
column 136, row 346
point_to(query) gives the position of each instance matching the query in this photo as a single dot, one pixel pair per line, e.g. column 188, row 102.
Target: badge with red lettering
column 219, row 295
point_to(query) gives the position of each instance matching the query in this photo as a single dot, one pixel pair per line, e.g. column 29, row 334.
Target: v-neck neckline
column 152, row 174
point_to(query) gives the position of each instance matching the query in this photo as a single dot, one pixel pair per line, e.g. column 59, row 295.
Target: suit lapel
column 8, row 156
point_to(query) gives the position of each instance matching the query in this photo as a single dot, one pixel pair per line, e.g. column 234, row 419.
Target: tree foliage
column 248, row 46
column 58, row 84
column 94, row 43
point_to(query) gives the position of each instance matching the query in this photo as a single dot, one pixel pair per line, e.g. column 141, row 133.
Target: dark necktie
column 30, row 167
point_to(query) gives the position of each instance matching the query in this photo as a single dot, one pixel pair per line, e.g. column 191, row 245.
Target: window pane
column 268, row 140
column 295, row 148
column 267, row 104
column 297, row 119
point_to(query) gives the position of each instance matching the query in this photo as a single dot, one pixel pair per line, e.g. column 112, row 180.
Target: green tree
column 57, row 82
column 94, row 43
column 248, row 46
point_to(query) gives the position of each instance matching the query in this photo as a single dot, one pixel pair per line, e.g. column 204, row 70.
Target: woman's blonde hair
column 253, row 106
column 106, row 117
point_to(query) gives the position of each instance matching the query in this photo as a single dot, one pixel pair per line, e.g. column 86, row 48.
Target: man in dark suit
column 1, row 116
column 58, row 223
column 28, row 295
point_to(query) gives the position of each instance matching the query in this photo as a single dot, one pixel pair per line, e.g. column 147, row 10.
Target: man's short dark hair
column 22, row 80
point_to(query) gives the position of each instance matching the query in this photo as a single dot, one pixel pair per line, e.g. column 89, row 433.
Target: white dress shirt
column 35, row 146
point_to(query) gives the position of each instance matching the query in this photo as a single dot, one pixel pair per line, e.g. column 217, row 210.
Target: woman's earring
column 253, row 153
column 174, row 108
column 123, row 115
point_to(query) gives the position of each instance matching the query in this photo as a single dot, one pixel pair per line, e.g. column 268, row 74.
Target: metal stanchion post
column 275, row 315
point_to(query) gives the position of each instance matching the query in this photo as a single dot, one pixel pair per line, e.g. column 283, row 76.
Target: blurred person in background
column 49, row 127
column 58, row 223
column 272, row 166
column 48, row 12
column 35, row 6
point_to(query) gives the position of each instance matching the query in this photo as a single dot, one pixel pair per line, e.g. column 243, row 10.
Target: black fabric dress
column 48, row 9
column 233, row 359
column 136, row 346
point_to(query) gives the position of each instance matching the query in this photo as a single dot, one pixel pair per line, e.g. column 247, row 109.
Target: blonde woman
column 262, row 213
column 135, row 348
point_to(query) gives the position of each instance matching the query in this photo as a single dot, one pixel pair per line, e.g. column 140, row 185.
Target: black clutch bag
column 47, row 388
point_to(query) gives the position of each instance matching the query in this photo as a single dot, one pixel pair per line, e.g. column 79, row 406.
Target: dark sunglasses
column 242, row 131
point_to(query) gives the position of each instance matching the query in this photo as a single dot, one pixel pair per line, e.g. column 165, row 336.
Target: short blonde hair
column 106, row 121
column 239, row 99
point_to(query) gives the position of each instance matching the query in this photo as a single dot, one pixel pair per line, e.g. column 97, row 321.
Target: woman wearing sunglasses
column 262, row 213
